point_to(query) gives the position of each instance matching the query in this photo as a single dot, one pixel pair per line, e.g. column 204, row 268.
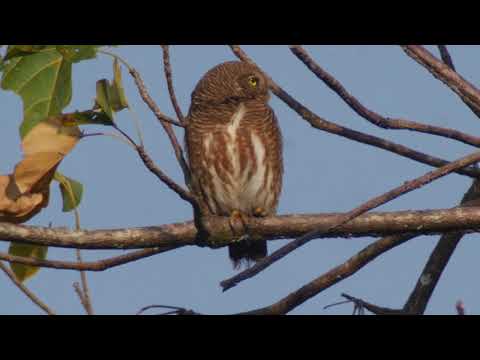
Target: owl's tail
column 247, row 251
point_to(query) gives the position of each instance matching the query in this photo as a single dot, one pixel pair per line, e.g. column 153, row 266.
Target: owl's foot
column 238, row 223
column 260, row 212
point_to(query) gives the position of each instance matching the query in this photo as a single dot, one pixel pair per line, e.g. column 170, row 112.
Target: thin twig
column 322, row 124
column 25, row 290
column 176, row 310
column 373, row 117
column 375, row 309
column 446, row 58
column 87, row 302
column 168, row 75
column 363, row 208
column 164, row 120
column 100, row 265
column 184, row 194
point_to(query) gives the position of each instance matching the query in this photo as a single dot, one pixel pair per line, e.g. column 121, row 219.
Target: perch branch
column 172, row 236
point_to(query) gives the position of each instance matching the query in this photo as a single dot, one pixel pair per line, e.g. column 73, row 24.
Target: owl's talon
column 238, row 223
column 260, row 212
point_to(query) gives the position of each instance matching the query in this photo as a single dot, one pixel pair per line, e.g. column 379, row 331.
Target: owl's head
column 230, row 82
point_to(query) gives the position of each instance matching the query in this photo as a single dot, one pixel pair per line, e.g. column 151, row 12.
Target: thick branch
column 420, row 296
column 322, row 124
column 438, row 260
column 464, row 89
column 171, row 236
column 373, row 117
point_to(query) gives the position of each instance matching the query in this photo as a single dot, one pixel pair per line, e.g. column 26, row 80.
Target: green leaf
column 43, row 80
column 111, row 96
column 25, row 272
column 90, row 117
column 22, row 50
column 118, row 98
column 77, row 53
column 103, row 98
column 72, row 191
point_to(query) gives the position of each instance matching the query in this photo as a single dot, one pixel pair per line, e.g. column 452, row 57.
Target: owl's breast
column 237, row 173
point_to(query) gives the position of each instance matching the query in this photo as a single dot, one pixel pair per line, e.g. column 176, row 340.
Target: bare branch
column 168, row 75
column 174, row 310
column 322, row 124
column 438, row 260
column 446, row 58
column 373, row 117
column 84, row 291
column 172, row 236
column 367, row 206
column 163, row 121
column 184, row 194
column 25, row 290
column 100, row 265
column 464, row 89
column 330, row 278
column 375, row 309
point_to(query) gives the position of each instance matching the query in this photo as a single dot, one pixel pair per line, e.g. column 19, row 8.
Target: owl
column 234, row 149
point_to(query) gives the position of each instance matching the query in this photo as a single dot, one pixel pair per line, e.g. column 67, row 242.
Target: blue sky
column 324, row 173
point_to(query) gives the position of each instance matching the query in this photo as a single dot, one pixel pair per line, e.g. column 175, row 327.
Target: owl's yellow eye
column 253, row 81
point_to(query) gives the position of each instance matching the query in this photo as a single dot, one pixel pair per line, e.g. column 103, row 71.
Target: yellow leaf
column 16, row 208
column 55, row 134
column 35, row 172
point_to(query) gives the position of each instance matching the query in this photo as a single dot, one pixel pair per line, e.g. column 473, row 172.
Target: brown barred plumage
column 234, row 148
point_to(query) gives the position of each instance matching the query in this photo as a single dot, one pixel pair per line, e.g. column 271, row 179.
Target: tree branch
column 168, row 75
column 167, row 125
column 99, row 265
column 25, row 290
column 84, row 291
column 420, row 296
column 446, row 58
column 469, row 94
column 172, row 236
column 184, row 194
column 322, row 124
column 373, row 117
column 418, row 300
column 330, row 278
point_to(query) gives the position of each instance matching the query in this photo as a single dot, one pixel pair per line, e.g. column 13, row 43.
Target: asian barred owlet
column 234, row 148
